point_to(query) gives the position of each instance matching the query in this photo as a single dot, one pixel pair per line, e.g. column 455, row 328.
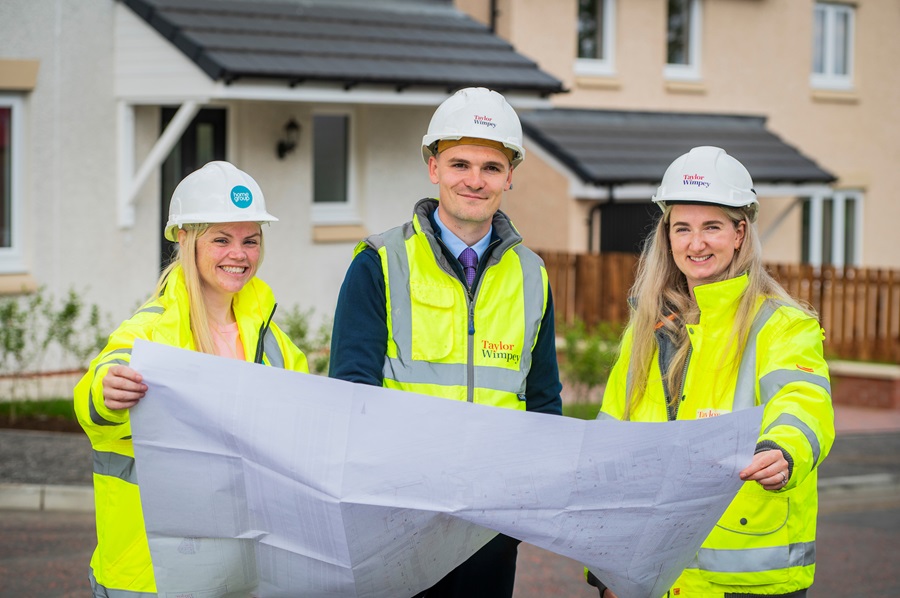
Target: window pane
column 206, row 148
column 330, row 159
column 841, row 42
column 679, row 32
column 850, row 232
column 819, row 41
column 590, row 29
column 5, row 177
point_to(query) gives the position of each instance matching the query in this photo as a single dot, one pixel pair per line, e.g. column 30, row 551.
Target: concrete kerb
column 45, row 497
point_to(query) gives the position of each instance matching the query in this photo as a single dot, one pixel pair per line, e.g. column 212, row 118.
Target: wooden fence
column 859, row 308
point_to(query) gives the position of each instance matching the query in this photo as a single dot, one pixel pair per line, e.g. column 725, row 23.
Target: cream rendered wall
column 69, row 187
column 537, row 208
column 70, row 191
column 388, row 176
column 755, row 59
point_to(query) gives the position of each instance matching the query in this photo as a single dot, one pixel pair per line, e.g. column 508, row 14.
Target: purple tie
column 469, row 259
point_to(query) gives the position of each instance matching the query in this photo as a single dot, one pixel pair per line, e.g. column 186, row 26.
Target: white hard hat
column 478, row 113
column 217, row 192
column 707, row 174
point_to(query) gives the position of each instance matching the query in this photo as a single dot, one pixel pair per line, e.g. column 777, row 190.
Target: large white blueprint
column 260, row 482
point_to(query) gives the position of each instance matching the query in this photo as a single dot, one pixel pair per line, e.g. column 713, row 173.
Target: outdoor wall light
column 288, row 142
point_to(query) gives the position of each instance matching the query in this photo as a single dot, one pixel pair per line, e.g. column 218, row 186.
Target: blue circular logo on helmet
column 241, row 196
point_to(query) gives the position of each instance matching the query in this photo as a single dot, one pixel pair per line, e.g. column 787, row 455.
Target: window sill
column 339, row 234
column 17, row 284
column 597, row 82
column 686, row 87
column 18, row 75
column 831, row 96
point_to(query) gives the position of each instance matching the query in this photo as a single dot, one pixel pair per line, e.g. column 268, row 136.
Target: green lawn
column 49, row 408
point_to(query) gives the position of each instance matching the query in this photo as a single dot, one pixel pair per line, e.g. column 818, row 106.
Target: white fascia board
column 324, row 93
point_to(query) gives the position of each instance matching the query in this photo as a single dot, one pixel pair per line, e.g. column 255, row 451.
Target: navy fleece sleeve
column 542, row 386
column 359, row 335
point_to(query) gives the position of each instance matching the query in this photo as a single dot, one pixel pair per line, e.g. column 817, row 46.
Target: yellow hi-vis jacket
column 765, row 541
column 121, row 563
column 444, row 342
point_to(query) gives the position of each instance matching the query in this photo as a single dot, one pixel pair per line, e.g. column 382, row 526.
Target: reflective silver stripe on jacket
column 99, row 591
column 272, row 350
column 115, row 465
column 404, row 369
column 156, row 309
column 773, row 382
column 754, row 560
column 95, row 416
column 745, row 389
column 786, row 419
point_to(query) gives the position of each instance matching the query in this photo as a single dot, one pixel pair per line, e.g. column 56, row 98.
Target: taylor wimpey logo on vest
column 694, row 180
column 499, row 350
column 485, row 121
column 705, row 413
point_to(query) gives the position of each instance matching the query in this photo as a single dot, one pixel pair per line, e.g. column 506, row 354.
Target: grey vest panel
column 115, row 465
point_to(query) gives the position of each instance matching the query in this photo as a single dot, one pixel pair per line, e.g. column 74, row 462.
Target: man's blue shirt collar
column 455, row 244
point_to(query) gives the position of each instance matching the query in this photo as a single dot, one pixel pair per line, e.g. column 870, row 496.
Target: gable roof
column 395, row 43
column 607, row 147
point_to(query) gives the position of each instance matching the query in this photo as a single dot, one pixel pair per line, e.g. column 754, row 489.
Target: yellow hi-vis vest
column 765, row 541
column 443, row 344
column 120, row 565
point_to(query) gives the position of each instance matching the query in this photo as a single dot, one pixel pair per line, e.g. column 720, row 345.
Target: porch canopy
column 623, row 155
column 357, row 52
column 397, row 43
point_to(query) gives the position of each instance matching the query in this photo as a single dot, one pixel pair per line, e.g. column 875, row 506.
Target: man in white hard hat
column 471, row 315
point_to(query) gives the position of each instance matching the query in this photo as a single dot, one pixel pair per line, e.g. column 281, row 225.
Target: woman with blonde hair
column 209, row 300
column 712, row 332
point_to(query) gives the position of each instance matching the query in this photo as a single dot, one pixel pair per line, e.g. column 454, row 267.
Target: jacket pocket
column 433, row 325
column 750, row 544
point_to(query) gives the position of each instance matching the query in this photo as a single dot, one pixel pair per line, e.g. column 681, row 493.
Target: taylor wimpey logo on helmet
column 485, row 121
column 694, row 180
column 241, row 196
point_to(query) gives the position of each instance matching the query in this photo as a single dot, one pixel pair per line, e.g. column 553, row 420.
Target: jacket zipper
column 470, row 365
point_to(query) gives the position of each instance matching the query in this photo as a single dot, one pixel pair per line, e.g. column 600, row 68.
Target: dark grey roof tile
column 605, row 147
column 402, row 43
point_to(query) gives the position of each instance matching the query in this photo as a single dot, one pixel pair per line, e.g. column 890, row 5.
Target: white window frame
column 828, row 78
column 691, row 70
column 839, row 200
column 332, row 213
column 12, row 257
column 606, row 66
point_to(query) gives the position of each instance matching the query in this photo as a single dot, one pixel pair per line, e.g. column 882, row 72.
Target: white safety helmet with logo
column 217, row 192
column 707, row 174
column 475, row 113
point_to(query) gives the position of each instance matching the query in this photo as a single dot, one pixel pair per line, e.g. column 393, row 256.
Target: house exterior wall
column 69, row 192
column 756, row 60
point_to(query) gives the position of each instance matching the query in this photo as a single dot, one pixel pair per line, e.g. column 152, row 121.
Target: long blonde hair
column 662, row 300
column 186, row 257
